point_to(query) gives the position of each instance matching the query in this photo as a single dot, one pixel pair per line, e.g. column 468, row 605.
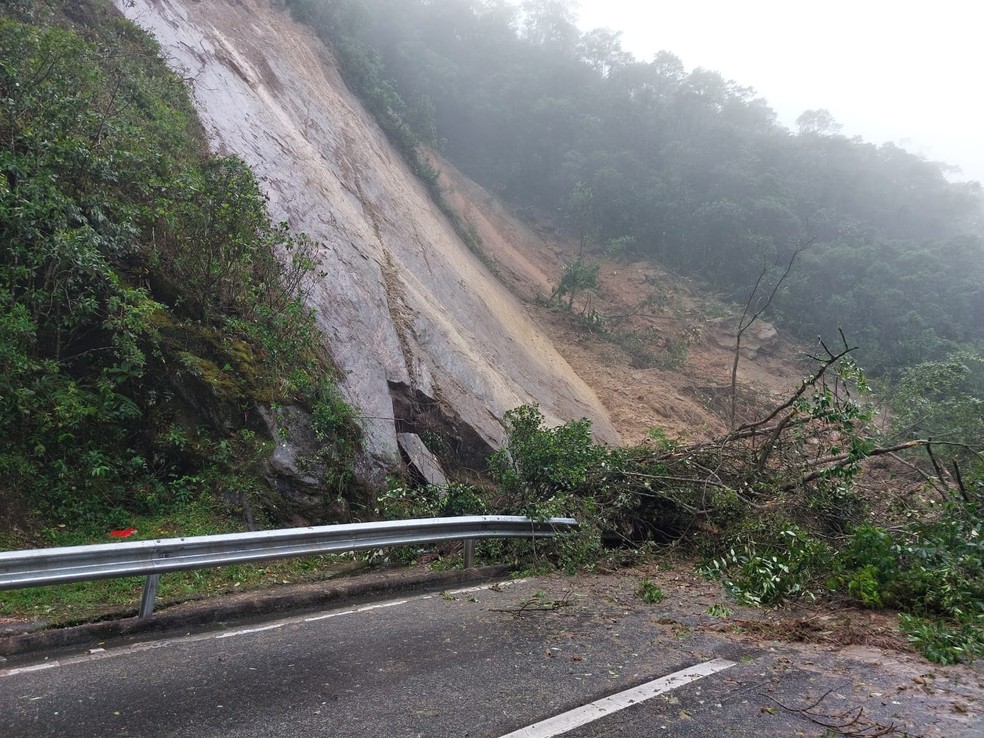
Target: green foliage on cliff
column 144, row 312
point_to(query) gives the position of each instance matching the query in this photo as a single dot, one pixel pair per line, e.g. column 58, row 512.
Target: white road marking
column 594, row 710
column 367, row 608
column 250, row 630
column 496, row 585
column 36, row 667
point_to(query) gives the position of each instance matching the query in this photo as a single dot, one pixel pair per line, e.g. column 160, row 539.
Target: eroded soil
column 665, row 358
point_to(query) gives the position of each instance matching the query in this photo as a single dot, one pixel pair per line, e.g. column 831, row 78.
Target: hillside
column 419, row 330
column 668, row 364
column 443, row 329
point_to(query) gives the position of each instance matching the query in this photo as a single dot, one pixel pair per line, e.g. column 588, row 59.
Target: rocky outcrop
column 402, row 302
column 760, row 339
column 420, row 460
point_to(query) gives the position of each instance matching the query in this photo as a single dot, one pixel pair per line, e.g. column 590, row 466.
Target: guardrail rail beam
column 47, row 566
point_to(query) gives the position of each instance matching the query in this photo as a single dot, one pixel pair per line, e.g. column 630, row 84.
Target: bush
column 539, row 468
column 766, row 565
column 648, row 592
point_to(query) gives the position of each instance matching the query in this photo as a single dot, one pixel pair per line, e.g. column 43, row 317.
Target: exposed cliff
column 419, row 329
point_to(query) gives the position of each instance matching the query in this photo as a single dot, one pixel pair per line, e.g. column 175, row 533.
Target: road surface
column 488, row 662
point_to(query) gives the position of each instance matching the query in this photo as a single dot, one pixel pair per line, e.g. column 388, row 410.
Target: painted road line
column 250, row 630
column 36, row 667
column 595, row 710
column 452, row 592
column 480, row 588
column 355, row 611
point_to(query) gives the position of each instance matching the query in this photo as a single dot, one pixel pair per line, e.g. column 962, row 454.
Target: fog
column 897, row 71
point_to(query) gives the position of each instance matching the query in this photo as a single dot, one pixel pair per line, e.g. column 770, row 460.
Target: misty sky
column 903, row 71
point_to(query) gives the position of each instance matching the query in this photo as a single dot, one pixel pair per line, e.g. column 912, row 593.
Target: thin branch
column 825, row 363
column 928, row 479
column 960, row 482
column 936, row 464
column 745, row 322
column 848, row 723
column 839, row 461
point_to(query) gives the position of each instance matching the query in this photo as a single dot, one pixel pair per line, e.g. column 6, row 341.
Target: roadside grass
column 67, row 604
column 107, row 599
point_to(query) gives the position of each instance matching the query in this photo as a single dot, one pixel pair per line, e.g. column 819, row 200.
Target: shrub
column 648, row 592
column 770, row 563
column 539, row 467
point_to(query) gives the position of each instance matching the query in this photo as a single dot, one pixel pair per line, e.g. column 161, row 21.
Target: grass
column 108, row 598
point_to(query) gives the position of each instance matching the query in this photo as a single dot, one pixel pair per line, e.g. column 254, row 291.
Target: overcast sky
column 911, row 72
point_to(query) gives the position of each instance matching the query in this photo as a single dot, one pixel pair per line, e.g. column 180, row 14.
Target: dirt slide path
column 689, row 336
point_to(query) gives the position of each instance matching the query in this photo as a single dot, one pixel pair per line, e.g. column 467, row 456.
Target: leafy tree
column 538, row 466
column 820, row 122
column 578, row 276
column 943, row 400
column 550, row 23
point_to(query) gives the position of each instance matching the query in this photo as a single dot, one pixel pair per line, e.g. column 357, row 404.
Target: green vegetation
column 649, row 592
column 148, row 306
column 772, row 509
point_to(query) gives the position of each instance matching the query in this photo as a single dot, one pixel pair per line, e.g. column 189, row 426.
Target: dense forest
column 682, row 167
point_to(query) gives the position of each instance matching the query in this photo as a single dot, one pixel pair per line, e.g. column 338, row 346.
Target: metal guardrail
column 47, row 566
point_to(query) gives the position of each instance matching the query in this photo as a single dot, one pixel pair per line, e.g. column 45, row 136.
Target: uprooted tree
column 771, row 507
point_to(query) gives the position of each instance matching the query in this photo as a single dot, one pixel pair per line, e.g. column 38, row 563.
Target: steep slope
column 419, row 329
column 682, row 383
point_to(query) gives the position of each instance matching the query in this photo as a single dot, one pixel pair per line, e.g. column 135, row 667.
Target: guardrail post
column 469, row 553
column 149, row 593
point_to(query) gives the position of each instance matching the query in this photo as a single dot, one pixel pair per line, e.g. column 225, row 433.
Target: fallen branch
column 746, row 321
column 848, row 723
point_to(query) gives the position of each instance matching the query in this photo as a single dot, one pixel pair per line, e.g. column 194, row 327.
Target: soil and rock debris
column 656, row 349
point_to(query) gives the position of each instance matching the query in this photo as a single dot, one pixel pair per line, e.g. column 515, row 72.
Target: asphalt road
column 482, row 663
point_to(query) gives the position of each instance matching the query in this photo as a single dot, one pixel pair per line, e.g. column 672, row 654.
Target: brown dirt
column 688, row 398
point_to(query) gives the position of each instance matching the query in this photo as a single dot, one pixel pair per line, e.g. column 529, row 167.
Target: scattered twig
column 537, row 604
column 848, row 723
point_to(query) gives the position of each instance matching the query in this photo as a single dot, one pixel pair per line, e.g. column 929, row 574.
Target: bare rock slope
column 413, row 320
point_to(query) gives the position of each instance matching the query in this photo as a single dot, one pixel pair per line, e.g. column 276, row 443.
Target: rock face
column 414, row 322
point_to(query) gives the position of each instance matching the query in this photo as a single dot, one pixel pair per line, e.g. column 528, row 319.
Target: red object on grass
column 125, row 533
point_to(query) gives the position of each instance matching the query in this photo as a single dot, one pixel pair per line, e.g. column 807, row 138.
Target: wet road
column 482, row 662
